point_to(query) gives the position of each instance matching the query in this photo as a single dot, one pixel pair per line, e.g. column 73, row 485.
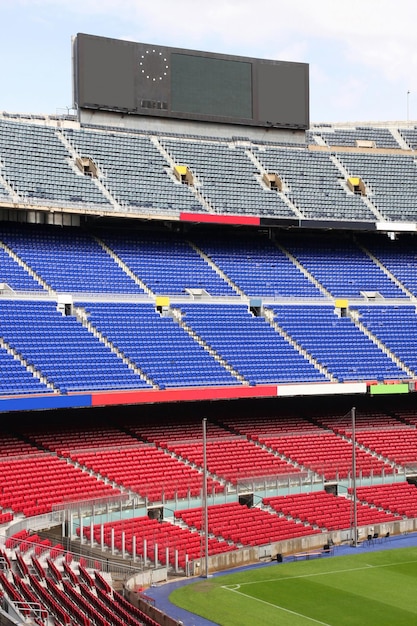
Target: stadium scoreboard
column 145, row 79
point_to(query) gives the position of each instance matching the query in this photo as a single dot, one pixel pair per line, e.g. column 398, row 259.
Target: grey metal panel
column 160, row 81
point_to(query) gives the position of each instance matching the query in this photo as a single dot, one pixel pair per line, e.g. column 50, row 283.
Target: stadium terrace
column 207, row 310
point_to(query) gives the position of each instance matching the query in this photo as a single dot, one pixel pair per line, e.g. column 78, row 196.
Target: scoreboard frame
column 161, row 81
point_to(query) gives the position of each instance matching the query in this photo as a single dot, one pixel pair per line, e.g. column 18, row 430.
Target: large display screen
column 208, row 86
column 144, row 79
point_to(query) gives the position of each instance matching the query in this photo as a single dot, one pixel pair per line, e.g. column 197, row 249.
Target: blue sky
column 362, row 53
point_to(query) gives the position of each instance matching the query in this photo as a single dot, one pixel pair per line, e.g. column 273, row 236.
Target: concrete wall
column 157, row 615
column 248, row 556
column 147, row 578
column 161, row 125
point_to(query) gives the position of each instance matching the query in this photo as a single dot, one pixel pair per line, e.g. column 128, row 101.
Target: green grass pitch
column 362, row 589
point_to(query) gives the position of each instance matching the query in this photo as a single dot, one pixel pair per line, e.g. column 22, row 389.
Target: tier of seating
column 399, row 498
column 257, row 266
column 342, row 266
column 396, row 256
column 67, row 260
column 391, row 181
column 337, row 343
column 166, row 263
column 15, row 276
column 351, row 137
column 220, row 344
column 33, row 485
column 162, row 350
column 233, row 459
column 326, row 454
column 228, row 179
column 16, row 379
column 135, row 469
column 395, row 329
column 249, row 344
column 245, row 526
column 399, row 445
column 61, row 349
column 172, row 541
column 313, row 183
column 133, row 172
column 33, row 481
column 328, row 511
column 36, row 164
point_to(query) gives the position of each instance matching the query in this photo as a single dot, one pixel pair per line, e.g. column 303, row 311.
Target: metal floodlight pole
column 408, row 105
column 355, row 503
column 205, row 507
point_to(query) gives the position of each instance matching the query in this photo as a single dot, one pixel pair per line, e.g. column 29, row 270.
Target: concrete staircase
column 178, row 319
column 35, row 372
column 124, row 267
column 269, row 317
column 81, row 316
column 355, row 319
column 218, row 271
column 28, row 269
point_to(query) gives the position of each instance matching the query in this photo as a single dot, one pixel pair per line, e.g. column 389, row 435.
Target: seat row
column 245, row 526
